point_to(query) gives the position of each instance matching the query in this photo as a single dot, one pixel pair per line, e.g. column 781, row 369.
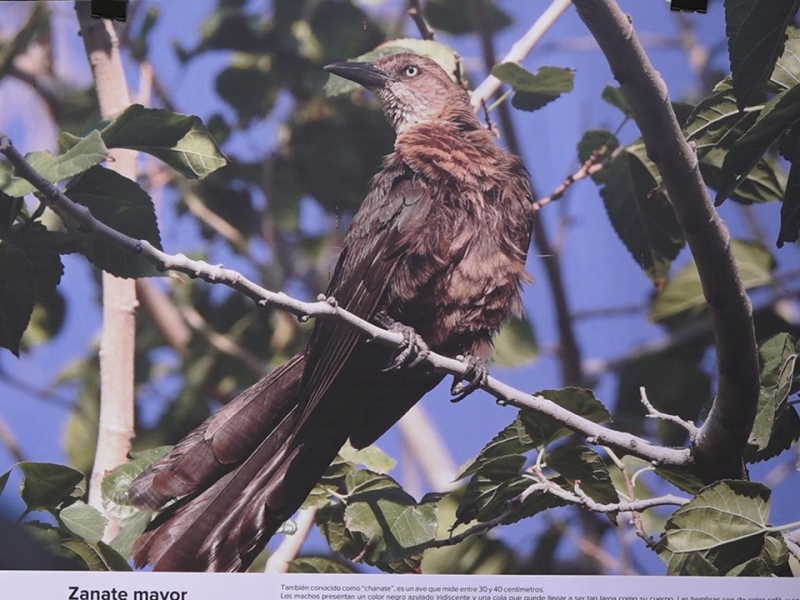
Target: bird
column 436, row 251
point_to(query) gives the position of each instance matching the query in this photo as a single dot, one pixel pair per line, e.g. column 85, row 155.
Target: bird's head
column 410, row 88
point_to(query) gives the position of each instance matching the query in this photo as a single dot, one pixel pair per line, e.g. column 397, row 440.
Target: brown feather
column 439, row 244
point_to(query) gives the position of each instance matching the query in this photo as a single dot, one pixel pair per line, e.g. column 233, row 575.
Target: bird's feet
column 476, row 375
column 414, row 349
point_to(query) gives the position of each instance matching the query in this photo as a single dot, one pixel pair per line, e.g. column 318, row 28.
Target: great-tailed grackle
column 438, row 245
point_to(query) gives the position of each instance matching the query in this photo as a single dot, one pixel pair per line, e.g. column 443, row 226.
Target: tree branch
column 117, row 342
column 327, row 308
column 415, row 12
column 520, row 50
column 721, row 442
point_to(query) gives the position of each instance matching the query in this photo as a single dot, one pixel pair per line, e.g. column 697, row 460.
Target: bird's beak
column 362, row 73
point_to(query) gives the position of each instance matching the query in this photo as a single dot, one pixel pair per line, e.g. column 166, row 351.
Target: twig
column 596, row 162
column 9, row 440
column 721, row 442
column 629, row 505
column 222, row 343
column 329, row 309
column 630, row 484
column 654, row 413
column 415, row 12
column 521, row 49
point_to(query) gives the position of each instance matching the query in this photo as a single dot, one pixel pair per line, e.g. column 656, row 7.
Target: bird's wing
column 397, row 206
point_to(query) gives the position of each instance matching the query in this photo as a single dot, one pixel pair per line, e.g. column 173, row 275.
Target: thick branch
column 328, row 309
column 721, row 441
column 117, row 342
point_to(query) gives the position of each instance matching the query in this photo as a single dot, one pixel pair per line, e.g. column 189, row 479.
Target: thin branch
column 521, row 49
column 329, row 309
column 544, row 485
column 654, row 413
column 165, row 316
column 415, row 12
column 595, row 163
column 222, row 343
column 634, row 506
column 630, row 484
column 9, row 440
column 721, row 441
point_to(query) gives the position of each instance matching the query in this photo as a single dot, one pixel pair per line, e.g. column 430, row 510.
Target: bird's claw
column 476, row 375
column 414, row 349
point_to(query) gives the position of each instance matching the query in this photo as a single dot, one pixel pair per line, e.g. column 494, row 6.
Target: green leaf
column 515, row 344
column 445, row 56
column 790, row 209
column 83, row 155
column 533, row 91
column 331, row 484
column 779, row 115
column 714, row 126
column 773, row 555
column 395, row 526
column 599, row 143
column 249, row 86
column 132, row 529
column 115, row 485
column 181, row 141
column 46, row 485
column 456, row 17
column 84, row 521
column 761, row 184
column 756, row 36
column 17, row 295
column 121, row 204
column 684, row 292
column 616, row 98
column 379, row 523
column 787, row 70
column 371, row 457
column 4, row 480
column 784, row 435
column 541, row 430
column 330, row 521
column 716, row 122
column 584, row 465
column 497, row 481
column 778, row 359
column 505, row 443
column 41, row 248
column 98, row 557
column 640, row 212
column 725, row 524
column 681, row 478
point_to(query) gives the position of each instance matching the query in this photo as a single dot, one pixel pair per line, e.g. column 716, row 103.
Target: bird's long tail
column 234, row 478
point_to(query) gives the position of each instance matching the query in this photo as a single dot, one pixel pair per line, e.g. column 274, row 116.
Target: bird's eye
column 411, row 70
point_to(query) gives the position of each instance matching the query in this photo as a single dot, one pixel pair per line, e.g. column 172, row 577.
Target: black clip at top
column 110, row 9
column 700, row 6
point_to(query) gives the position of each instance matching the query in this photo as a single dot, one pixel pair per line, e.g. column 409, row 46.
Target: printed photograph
column 417, row 287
